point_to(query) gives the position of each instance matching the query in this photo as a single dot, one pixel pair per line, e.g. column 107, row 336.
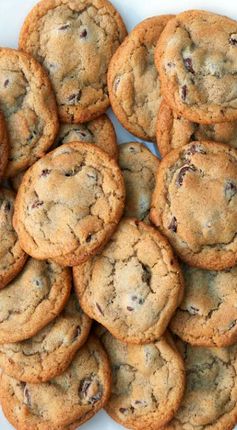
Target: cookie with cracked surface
column 51, row 350
column 4, row 146
column 28, row 103
column 32, row 300
column 77, row 394
column 69, row 204
column 139, row 167
column 84, row 34
column 147, row 381
column 174, row 131
column 133, row 81
column 197, row 187
column 99, row 131
column 134, row 286
column 207, row 315
column 210, row 399
column 12, row 256
column 196, row 60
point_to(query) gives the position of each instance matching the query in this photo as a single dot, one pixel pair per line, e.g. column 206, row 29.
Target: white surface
column 12, row 13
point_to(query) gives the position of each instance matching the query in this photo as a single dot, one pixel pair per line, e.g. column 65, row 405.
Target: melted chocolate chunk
column 99, row 308
column 189, row 65
column 89, row 237
column 75, row 98
column 83, row 34
column 129, row 308
column 184, row 92
column 64, row 27
column 37, row 203
column 173, row 224
column 6, row 83
column 27, row 398
column 45, row 172
column 230, row 190
column 182, row 173
column 233, row 39
column 90, row 390
column 146, row 276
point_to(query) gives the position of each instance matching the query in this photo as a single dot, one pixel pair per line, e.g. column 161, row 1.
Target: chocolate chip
column 6, row 83
column 173, row 224
column 27, row 399
column 182, row 173
column 90, row 390
column 127, row 410
column 146, row 275
column 99, row 308
column 129, row 308
column 189, row 65
column 184, row 92
column 37, row 203
column 74, row 170
column 170, row 65
column 122, row 410
column 89, row 237
column 195, row 148
column 64, row 27
column 37, row 283
column 83, row 34
column 230, row 190
column 75, row 97
column 233, row 39
column 45, row 172
column 193, row 310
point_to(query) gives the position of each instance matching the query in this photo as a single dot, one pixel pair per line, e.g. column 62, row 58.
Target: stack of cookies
column 93, row 231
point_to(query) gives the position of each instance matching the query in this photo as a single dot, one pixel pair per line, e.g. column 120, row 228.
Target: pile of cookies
column 95, row 231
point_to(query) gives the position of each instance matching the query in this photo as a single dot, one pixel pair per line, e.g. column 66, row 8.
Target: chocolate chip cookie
column 139, row 167
column 29, row 107
column 207, row 315
column 77, row 394
column 210, row 400
column 147, row 382
column 133, row 81
column 99, row 131
column 12, row 256
column 69, row 204
column 174, row 131
column 134, row 286
column 195, row 203
column 50, row 351
column 4, row 146
column 196, row 59
column 33, row 299
column 84, row 34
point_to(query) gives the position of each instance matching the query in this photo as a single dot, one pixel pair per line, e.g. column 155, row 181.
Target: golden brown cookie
column 133, row 81
column 28, row 103
column 134, row 286
column 4, row 146
column 76, row 395
column 12, row 256
column 139, row 167
column 84, row 34
column 195, row 204
column 69, row 204
column 174, row 131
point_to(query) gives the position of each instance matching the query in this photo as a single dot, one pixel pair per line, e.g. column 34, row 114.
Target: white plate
column 12, row 14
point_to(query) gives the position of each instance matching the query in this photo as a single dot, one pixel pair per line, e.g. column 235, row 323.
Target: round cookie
column 29, row 107
column 51, row 350
column 12, row 256
column 134, row 286
column 84, row 34
column 32, row 300
column 4, row 146
column 139, row 167
column 75, row 395
column 69, row 204
column 210, row 399
column 147, row 382
column 196, row 60
column 194, row 203
column 133, row 81
column 207, row 315
column 99, row 131
column 174, row 131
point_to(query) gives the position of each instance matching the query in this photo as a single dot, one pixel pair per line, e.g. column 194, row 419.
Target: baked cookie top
column 210, row 399
column 4, row 146
column 147, row 382
column 134, row 286
column 78, row 393
column 12, row 256
column 69, row 203
column 207, row 315
column 197, row 63
column 33, row 299
column 194, row 203
column 133, row 81
column 99, row 131
column 29, row 107
column 84, row 34
column 139, row 167
column 50, row 351
column 174, row 131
